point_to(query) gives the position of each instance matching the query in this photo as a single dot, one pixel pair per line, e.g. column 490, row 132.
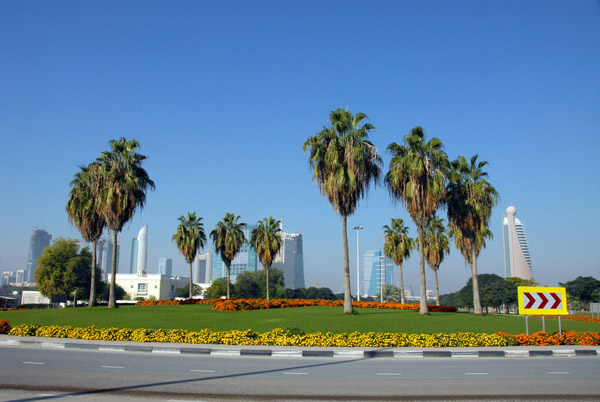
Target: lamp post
column 357, row 228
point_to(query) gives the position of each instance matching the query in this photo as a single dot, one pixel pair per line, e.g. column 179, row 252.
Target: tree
column 515, row 280
column 252, row 285
column 495, row 291
column 185, row 291
column 62, row 268
column 124, row 185
column 390, row 292
column 436, row 248
column 585, row 289
column 344, row 163
column 189, row 238
column 219, row 287
column 228, row 237
column 266, row 240
column 417, row 178
column 397, row 246
column 82, row 209
column 470, row 199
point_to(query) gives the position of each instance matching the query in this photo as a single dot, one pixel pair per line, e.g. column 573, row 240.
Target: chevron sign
column 542, row 301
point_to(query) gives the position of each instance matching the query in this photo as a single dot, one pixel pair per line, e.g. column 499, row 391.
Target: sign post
column 534, row 300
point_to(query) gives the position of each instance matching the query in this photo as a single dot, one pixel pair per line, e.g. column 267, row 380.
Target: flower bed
column 280, row 337
column 259, row 304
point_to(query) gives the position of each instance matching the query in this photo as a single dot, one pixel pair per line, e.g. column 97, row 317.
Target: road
column 38, row 374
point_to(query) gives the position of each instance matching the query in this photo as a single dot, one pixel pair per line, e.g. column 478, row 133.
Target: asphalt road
column 38, row 374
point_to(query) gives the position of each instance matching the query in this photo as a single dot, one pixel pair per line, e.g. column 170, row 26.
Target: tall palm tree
column 436, row 248
column 82, row 209
column 397, row 246
column 417, row 179
column 228, row 237
column 470, row 199
column 266, row 240
column 124, row 186
column 344, row 163
column 189, row 238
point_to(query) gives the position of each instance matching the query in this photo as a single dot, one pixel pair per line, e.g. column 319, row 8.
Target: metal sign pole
column 527, row 324
column 544, row 323
column 559, row 327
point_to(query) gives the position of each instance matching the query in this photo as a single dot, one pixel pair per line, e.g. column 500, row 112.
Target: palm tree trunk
column 113, row 273
column 92, row 301
column 476, row 300
column 437, row 288
column 401, row 285
column 347, row 296
column 267, row 269
column 423, row 303
column 191, row 282
column 228, row 280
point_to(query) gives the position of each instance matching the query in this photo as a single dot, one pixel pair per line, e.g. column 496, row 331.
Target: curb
column 397, row 353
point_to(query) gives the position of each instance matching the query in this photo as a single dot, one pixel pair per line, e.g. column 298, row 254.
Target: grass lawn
column 309, row 319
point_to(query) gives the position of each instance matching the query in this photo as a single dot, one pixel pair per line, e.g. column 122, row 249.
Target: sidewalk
column 292, row 351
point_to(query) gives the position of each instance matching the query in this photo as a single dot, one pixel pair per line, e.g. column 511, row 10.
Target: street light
column 357, row 228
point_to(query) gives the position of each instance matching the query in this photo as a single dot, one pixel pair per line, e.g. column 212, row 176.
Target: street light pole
column 357, row 228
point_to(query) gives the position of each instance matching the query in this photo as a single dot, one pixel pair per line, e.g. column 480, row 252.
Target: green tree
column 228, row 237
column 397, row 246
column 189, row 238
column 82, row 210
column 344, row 163
column 62, row 268
column 185, row 291
column 104, row 292
column 123, row 191
column 436, row 248
column 417, row 178
column 522, row 282
column 218, row 288
column 266, row 240
column 470, row 199
column 252, row 285
column 585, row 289
column 390, row 292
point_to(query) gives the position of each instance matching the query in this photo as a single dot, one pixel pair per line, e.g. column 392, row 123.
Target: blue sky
column 222, row 95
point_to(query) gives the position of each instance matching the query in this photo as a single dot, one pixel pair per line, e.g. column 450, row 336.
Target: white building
column 290, row 260
column 33, row 297
column 202, row 269
column 156, row 286
column 142, row 251
column 517, row 261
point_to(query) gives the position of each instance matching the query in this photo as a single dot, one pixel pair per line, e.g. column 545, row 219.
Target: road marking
column 558, row 372
column 476, row 373
column 293, row 373
column 112, row 367
column 389, row 373
column 33, row 363
column 202, row 371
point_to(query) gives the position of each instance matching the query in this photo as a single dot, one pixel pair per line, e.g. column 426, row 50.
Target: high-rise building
column 8, row 277
column 40, row 239
column 245, row 260
column 142, row 251
column 133, row 258
column 517, row 261
column 202, row 269
column 290, row 260
column 165, row 266
column 105, row 251
column 378, row 270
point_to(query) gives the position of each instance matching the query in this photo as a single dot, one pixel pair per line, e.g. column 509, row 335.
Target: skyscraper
column 378, row 270
column 202, row 270
column 40, row 239
column 517, row 261
column 142, row 251
column 165, row 266
column 133, row 258
column 105, row 251
column 290, row 260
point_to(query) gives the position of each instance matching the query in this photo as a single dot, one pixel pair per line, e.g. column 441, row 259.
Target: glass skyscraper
column 378, row 270
column 40, row 239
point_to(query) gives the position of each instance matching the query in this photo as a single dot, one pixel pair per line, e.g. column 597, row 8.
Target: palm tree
column 389, row 293
column 266, row 240
column 397, row 246
column 83, row 213
column 228, row 237
column 124, row 186
column 189, row 238
column 344, row 163
column 417, row 179
column 436, row 248
column 470, row 199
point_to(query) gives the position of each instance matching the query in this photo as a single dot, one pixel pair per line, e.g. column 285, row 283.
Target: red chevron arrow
column 531, row 299
column 544, row 300
column 557, row 300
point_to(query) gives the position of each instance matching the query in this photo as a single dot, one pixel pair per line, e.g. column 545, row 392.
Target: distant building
column 151, row 286
column 105, row 251
column 8, row 278
column 165, row 266
column 245, row 260
column 142, row 251
column 20, row 277
column 33, row 297
column 40, row 239
column 202, row 269
column 290, row 260
column 133, row 257
column 517, row 261
column 378, row 270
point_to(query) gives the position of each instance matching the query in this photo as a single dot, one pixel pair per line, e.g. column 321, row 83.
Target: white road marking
column 476, row 373
column 293, row 373
column 33, row 363
column 112, row 367
column 558, row 372
column 202, row 371
column 389, row 374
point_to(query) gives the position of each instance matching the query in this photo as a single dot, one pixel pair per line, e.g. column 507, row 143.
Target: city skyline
column 221, row 97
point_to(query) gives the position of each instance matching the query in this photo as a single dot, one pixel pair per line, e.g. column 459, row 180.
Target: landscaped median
column 280, row 337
